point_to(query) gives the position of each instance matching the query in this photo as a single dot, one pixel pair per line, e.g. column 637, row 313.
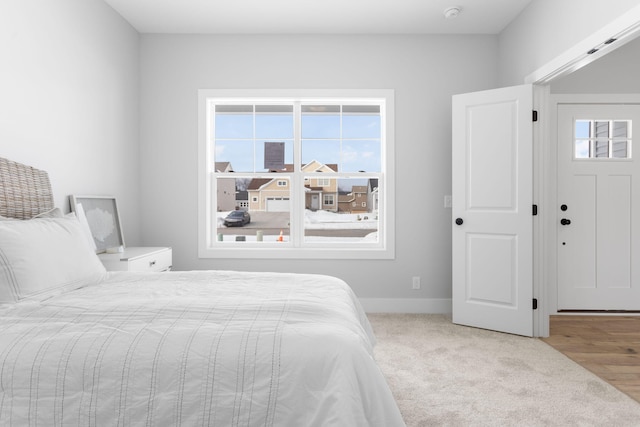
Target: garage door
column 278, row 204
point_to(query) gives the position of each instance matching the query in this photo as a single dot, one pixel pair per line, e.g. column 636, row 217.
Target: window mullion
column 210, row 183
column 296, row 227
column 611, row 136
column 253, row 119
column 594, row 140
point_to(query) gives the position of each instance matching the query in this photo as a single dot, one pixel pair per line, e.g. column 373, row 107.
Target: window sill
column 240, row 251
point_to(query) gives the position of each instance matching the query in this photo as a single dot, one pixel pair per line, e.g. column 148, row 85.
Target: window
column 602, row 139
column 298, row 157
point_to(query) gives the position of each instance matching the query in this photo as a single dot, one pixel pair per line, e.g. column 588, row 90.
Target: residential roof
column 288, row 167
column 256, row 183
column 223, row 167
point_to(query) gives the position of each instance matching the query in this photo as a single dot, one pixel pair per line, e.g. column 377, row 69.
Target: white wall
column 69, row 98
column 548, row 28
column 424, row 71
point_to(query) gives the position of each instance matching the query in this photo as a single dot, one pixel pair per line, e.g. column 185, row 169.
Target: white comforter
column 208, row 348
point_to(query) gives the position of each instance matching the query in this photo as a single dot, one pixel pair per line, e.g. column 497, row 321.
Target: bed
column 84, row 347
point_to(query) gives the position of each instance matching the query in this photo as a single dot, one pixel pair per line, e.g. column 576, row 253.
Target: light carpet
column 443, row 374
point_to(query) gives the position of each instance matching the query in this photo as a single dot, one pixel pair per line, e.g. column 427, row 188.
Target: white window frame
column 295, row 248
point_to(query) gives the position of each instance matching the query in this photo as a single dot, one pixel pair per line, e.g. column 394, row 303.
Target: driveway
column 269, row 222
column 272, row 222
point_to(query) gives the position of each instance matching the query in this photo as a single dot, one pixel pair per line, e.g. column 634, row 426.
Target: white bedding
column 208, row 348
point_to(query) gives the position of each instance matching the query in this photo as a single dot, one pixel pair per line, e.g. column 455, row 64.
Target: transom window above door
column 602, row 139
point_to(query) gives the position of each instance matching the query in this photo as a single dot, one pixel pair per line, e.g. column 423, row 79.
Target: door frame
column 550, row 184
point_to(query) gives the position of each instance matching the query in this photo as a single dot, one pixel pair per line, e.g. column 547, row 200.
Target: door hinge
column 535, row 303
column 535, row 115
column 535, row 210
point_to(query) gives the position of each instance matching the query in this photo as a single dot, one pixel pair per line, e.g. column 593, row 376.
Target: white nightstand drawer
column 157, row 261
column 139, row 259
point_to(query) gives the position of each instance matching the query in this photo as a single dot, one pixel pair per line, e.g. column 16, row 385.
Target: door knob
column 565, row 221
column 459, row 221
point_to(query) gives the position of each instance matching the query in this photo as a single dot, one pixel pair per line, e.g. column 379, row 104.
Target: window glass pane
column 620, row 139
column 361, row 156
column 320, row 121
column 582, row 149
column 252, row 209
column 582, row 129
column 274, row 121
column 287, row 165
column 239, row 153
column 234, row 121
column 321, row 150
column 249, row 156
column 602, row 147
column 361, row 122
column 345, row 211
column 619, row 150
column 601, row 129
column 620, row 129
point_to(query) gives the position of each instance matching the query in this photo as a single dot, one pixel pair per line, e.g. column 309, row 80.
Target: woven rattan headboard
column 24, row 191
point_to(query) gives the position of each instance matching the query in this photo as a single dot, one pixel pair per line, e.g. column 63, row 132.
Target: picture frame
column 101, row 215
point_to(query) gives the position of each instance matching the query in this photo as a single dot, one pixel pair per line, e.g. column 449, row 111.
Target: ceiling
column 318, row 16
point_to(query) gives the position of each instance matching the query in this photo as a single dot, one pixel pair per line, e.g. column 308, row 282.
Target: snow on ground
column 319, row 220
column 323, row 220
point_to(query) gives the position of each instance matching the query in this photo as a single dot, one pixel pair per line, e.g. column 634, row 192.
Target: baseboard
column 406, row 305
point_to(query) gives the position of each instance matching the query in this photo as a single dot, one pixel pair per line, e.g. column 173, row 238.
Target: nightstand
column 139, row 259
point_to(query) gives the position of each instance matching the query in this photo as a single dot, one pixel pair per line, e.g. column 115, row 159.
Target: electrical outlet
column 415, row 282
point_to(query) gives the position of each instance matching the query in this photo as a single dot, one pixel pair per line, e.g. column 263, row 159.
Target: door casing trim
column 547, row 188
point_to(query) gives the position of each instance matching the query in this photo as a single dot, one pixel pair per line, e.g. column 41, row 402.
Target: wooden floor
column 608, row 346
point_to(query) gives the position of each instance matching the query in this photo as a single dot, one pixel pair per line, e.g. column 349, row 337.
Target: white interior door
column 492, row 210
column 598, row 204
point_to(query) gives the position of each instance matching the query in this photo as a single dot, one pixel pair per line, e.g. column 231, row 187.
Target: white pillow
column 79, row 214
column 43, row 256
